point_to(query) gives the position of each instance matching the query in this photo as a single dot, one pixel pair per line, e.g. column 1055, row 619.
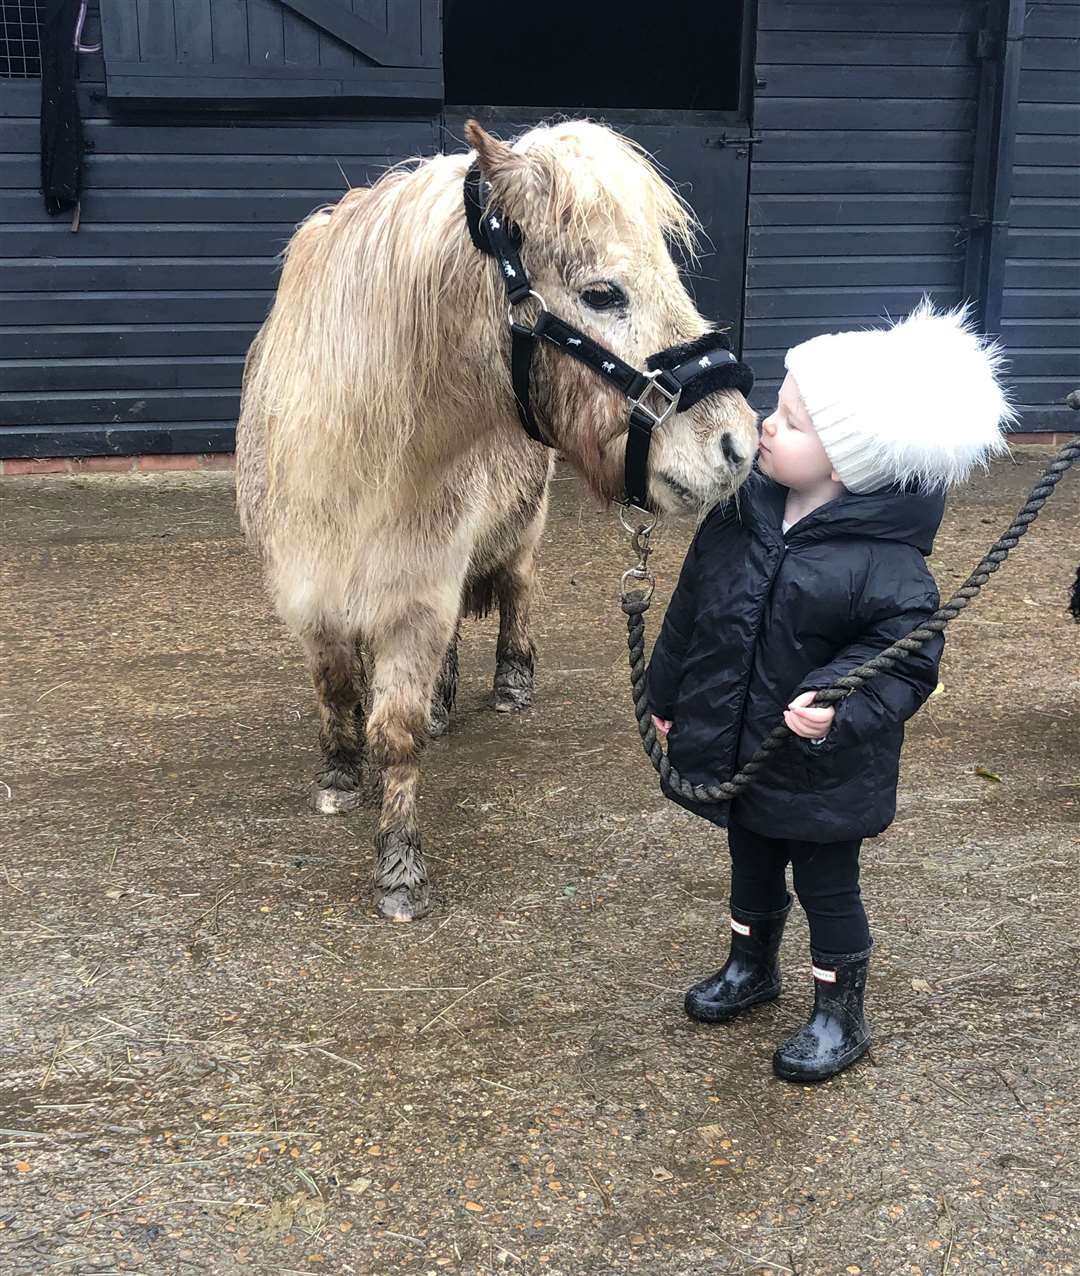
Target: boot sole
column 787, row 1073
column 702, row 1015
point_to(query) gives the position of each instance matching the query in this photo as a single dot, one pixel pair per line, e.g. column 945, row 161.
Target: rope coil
column 636, row 603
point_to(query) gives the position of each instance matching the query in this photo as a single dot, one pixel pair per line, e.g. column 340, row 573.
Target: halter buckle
column 669, row 400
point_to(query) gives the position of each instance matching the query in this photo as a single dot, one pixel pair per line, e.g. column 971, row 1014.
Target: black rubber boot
column 837, row 1033
column 751, row 973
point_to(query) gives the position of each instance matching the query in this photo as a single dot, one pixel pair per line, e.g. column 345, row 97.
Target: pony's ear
column 510, row 173
column 492, row 155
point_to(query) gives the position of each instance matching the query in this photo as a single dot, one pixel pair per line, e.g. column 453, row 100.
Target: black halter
column 677, row 377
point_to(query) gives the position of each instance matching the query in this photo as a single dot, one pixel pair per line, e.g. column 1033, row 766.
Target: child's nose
column 767, row 426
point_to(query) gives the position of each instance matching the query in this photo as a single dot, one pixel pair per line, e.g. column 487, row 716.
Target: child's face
column 790, row 450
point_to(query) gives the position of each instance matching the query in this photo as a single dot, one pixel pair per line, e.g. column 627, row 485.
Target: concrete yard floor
column 216, row 1058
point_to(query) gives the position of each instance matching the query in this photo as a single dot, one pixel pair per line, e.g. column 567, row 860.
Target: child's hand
column 663, row 725
column 810, row 723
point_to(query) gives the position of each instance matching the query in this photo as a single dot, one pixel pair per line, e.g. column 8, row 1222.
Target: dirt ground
column 216, row 1058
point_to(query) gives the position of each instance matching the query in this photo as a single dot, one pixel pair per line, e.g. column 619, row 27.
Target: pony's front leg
column 338, row 671
column 515, row 655
column 408, row 657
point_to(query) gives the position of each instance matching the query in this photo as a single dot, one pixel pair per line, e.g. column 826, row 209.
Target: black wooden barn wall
column 860, row 182
column 130, row 335
column 1040, row 306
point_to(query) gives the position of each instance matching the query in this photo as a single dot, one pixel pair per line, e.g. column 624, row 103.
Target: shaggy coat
column 382, row 474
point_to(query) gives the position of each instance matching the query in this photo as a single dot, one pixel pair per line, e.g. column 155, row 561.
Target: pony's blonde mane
column 379, row 291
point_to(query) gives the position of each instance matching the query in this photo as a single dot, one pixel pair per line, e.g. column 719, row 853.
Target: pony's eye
column 603, row 297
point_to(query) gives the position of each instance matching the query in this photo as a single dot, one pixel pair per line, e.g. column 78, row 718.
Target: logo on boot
column 739, row 928
column 826, row 976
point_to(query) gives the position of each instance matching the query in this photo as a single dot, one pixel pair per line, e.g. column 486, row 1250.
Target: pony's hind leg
column 445, row 694
column 407, row 662
column 339, row 674
column 515, row 654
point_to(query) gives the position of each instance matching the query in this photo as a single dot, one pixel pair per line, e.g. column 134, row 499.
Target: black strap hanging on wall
column 61, row 126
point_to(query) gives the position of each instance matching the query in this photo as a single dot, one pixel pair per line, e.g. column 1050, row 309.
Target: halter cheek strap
column 677, row 377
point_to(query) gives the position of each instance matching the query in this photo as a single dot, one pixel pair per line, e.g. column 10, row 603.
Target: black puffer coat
column 759, row 617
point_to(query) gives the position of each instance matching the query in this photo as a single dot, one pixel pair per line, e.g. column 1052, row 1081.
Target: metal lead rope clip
column 640, row 529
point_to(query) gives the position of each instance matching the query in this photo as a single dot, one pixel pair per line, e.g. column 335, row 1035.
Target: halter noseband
column 677, row 377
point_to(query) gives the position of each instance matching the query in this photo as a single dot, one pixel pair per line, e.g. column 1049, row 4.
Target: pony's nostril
column 730, row 451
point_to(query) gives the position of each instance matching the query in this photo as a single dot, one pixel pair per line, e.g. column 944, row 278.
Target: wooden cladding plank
column 1049, row 86
column 113, row 373
column 120, row 33
column 901, row 82
column 136, row 240
column 220, row 83
column 796, row 15
column 856, row 210
column 230, row 32
column 1041, row 389
column 104, row 341
column 878, row 147
column 1047, row 416
column 841, row 51
column 266, row 33
column 194, row 31
column 829, row 303
column 330, row 173
column 1048, row 242
column 1052, row 183
column 157, row 31
column 1052, row 55
column 83, row 439
column 1035, row 214
column 859, row 179
column 826, row 241
column 136, row 307
column 130, row 407
column 357, row 33
column 1042, row 303
column 1019, row 333
column 300, row 40
column 867, row 113
column 1049, row 21
column 378, row 140
column 1061, row 364
column 1034, row 150
column 238, row 207
column 1042, row 118
column 1061, row 272
column 782, row 333
column 846, row 272
column 122, row 273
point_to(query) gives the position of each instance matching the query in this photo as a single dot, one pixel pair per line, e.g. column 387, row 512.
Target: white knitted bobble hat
column 918, row 402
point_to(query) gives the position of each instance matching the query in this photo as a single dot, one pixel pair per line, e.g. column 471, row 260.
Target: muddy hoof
column 512, row 699
column 405, row 904
column 335, row 801
column 439, row 722
column 513, row 685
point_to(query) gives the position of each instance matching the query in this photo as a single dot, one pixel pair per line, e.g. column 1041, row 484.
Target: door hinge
column 720, row 140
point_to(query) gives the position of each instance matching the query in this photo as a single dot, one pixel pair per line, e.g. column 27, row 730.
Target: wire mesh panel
column 20, row 43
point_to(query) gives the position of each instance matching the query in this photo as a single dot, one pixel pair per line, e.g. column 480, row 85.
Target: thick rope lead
column 635, row 604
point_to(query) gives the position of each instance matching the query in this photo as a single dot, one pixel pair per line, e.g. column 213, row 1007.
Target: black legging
column 826, row 877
